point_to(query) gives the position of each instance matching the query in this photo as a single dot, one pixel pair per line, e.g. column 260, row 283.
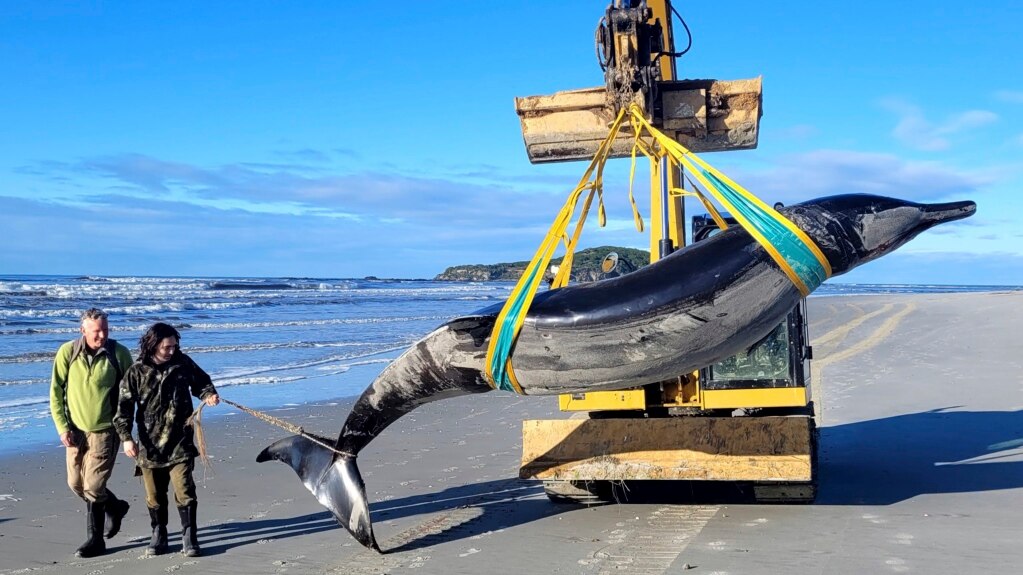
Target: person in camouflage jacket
column 156, row 394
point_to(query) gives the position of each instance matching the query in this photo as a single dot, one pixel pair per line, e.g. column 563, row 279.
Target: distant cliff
column 586, row 266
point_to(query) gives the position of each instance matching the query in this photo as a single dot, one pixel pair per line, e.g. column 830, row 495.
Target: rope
column 195, row 420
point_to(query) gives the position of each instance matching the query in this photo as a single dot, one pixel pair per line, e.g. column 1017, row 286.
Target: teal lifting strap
column 794, row 250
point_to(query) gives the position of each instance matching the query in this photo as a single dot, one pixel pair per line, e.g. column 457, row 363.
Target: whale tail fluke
column 333, row 479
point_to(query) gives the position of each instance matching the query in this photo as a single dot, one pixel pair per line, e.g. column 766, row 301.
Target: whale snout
column 859, row 228
column 935, row 214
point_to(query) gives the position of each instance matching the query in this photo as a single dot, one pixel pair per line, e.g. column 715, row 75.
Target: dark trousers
column 156, row 481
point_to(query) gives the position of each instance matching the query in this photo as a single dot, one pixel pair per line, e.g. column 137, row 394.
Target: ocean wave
column 270, row 346
column 178, row 294
column 12, row 423
column 30, row 357
column 306, row 322
column 251, row 286
column 47, row 356
column 213, row 326
column 58, row 330
column 314, row 363
column 275, row 379
column 34, row 381
column 886, row 289
column 270, row 285
column 132, row 310
column 24, row 402
column 265, row 380
column 348, row 366
column 139, row 279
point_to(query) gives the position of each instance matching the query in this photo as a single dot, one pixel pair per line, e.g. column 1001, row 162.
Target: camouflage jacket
column 159, row 400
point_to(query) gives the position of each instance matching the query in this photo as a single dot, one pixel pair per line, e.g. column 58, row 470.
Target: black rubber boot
column 189, row 542
column 158, row 520
column 116, row 510
column 94, row 519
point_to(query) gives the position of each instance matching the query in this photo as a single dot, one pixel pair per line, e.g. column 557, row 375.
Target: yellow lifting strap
column 796, row 254
column 509, row 322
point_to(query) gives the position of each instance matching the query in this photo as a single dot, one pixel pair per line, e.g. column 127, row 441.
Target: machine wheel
column 577, row 492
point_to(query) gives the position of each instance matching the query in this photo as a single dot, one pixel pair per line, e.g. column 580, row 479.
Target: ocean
column 266, row 342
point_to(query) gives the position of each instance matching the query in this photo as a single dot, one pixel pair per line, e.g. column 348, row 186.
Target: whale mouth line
column 948, row 212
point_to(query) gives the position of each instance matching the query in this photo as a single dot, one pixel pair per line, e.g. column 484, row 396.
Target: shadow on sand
column 884, row 461
column 499, row 503
column 218, row 538
column 876, row 462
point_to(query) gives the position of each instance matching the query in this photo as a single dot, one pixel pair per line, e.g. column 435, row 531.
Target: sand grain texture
column 921, row 403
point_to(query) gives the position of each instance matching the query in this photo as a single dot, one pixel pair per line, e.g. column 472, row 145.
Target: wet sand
column 920, row 402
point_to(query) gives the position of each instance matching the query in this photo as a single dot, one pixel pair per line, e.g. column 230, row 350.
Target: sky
column 330, row 139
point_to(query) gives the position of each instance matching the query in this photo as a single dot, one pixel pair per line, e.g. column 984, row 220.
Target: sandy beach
column 920, row 403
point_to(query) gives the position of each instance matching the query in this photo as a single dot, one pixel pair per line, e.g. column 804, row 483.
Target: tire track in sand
column 431, row 532
column 875, row 338
column 652, row 546
column 841, row 332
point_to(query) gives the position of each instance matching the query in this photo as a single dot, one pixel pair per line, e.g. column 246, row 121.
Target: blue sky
column 340, row 140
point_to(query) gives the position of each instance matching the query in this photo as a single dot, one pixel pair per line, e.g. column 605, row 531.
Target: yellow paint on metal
column 675, row 216
column 631, row 399
column 661, row 11
column 765, row 397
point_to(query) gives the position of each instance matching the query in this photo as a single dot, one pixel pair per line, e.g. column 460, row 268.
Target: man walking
column 83, row 399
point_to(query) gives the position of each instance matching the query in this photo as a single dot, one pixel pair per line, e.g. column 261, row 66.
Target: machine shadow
column 499, row 504
column 875, row 462
column 884, row 461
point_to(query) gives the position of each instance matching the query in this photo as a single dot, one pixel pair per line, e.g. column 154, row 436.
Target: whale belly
column 677, row 338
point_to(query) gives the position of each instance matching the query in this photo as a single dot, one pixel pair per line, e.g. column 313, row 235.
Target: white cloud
column 1013, row 96
column 916, row 131
column 280, row 220
column 292, row 189
column 800, row 177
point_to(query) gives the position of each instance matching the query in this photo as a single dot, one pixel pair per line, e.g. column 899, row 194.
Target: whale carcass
column 691, row 309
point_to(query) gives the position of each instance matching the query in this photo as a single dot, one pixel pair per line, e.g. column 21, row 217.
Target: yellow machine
column 748, row 418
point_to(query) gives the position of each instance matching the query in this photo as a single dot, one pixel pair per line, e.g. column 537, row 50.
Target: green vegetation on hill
column 585, row 266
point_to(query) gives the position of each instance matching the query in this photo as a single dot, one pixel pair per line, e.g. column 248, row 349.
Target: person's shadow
column 218, row 538
column 500, row 503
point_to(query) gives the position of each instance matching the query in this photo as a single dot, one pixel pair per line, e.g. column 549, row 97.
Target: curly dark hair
column 152, row 338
